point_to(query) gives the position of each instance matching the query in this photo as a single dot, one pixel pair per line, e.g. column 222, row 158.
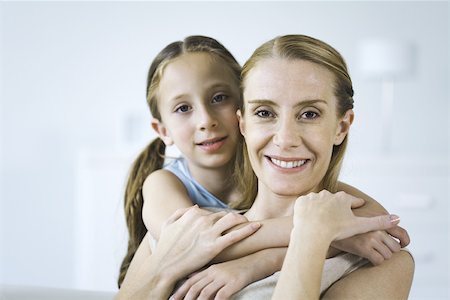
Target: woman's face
column 290, row 124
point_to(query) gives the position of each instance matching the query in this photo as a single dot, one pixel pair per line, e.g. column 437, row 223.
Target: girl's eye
column 309, row 115
column 219, row 98
column 183, row 108
column 263, row 113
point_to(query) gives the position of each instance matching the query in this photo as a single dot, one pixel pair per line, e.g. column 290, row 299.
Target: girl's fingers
column 196, row 288
column 383, row 250
column 177, row 214
column 236, row 235
column 210, row 290
column 217, row 216
column 228, row 221
column 392, row 243
column 376, row 258
column 184, row 288
column 401, row 234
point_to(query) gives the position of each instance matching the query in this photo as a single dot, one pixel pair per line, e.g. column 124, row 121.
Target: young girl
column 193, row 94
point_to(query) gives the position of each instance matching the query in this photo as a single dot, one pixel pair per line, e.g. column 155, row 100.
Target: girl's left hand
column 376, row 246
column 218, row 281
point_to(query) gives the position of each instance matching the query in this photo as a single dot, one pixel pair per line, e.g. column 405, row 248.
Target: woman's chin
column 288, row 191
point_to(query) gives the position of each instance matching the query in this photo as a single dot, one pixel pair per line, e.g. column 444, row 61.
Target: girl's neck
column 218, row 181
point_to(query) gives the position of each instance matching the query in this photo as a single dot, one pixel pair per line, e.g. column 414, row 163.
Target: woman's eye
column 183, row 108
column 264, row 113
column 219, row 98
column 309, row 115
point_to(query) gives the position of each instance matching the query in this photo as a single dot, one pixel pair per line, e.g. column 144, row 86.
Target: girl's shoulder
column 162, row 179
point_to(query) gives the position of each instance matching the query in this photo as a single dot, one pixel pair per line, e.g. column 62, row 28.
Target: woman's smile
column 287, row 164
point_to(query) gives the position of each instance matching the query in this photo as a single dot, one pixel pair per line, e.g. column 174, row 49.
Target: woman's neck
column 218, row 181
column 269, row 205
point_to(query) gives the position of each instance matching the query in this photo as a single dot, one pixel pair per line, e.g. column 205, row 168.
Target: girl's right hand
column 192, row 237
column 331, row 215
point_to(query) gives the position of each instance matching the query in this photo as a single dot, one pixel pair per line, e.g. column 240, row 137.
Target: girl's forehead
column 195, row 74
column 198, row 64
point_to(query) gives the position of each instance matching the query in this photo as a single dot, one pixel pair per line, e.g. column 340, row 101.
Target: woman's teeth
column 288, row 164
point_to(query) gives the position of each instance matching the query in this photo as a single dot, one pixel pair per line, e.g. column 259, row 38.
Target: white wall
column 73, row 78
column 2, row 209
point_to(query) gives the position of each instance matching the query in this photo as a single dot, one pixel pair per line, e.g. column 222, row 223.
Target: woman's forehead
column 274, row 78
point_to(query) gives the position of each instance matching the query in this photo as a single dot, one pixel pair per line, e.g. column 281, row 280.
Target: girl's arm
column 189, row 239
column 163, row 194
column 375, row 246
column 160, row 203
column 221, row 281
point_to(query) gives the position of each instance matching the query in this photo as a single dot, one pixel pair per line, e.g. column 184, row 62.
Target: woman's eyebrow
column 262, row 102
column 310, row 102
column 300, row 103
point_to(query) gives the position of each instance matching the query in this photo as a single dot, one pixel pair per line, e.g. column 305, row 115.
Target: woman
column 297, row 112
column 295, row 119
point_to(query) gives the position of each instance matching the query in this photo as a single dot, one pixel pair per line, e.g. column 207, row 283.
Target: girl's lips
column 212, row 145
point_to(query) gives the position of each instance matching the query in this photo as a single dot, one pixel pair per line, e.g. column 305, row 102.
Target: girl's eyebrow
column 274, row 103
column 177, row 97
column 222, row 85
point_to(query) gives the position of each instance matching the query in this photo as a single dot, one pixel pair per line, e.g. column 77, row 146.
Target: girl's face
column 197, row 100
column 290, row 124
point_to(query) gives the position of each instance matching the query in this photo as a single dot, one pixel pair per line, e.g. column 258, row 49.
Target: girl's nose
column 206, row 120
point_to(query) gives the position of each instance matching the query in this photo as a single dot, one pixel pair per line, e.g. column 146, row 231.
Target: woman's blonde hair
column 302, row 47
column 152, row 157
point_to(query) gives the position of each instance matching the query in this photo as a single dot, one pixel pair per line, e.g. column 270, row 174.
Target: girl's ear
column 343, row 127
column 162, row 132
column 241, row 122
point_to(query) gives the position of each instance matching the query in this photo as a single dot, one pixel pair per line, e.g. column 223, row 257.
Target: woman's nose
column 287, row 135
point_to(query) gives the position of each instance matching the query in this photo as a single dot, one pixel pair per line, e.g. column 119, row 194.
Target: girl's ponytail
column 150, row 160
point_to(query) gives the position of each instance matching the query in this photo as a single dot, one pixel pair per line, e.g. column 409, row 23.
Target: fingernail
column 256, row 225
column 394, row 218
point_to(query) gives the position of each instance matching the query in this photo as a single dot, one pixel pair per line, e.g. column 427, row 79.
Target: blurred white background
column 73, row 116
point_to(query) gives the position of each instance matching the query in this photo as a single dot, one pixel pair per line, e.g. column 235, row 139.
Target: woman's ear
column 343, row 127
column 161, row 130
column 241, row 122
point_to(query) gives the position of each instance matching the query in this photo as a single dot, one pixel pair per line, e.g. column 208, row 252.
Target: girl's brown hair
column 152, row 157
column 303, row 47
